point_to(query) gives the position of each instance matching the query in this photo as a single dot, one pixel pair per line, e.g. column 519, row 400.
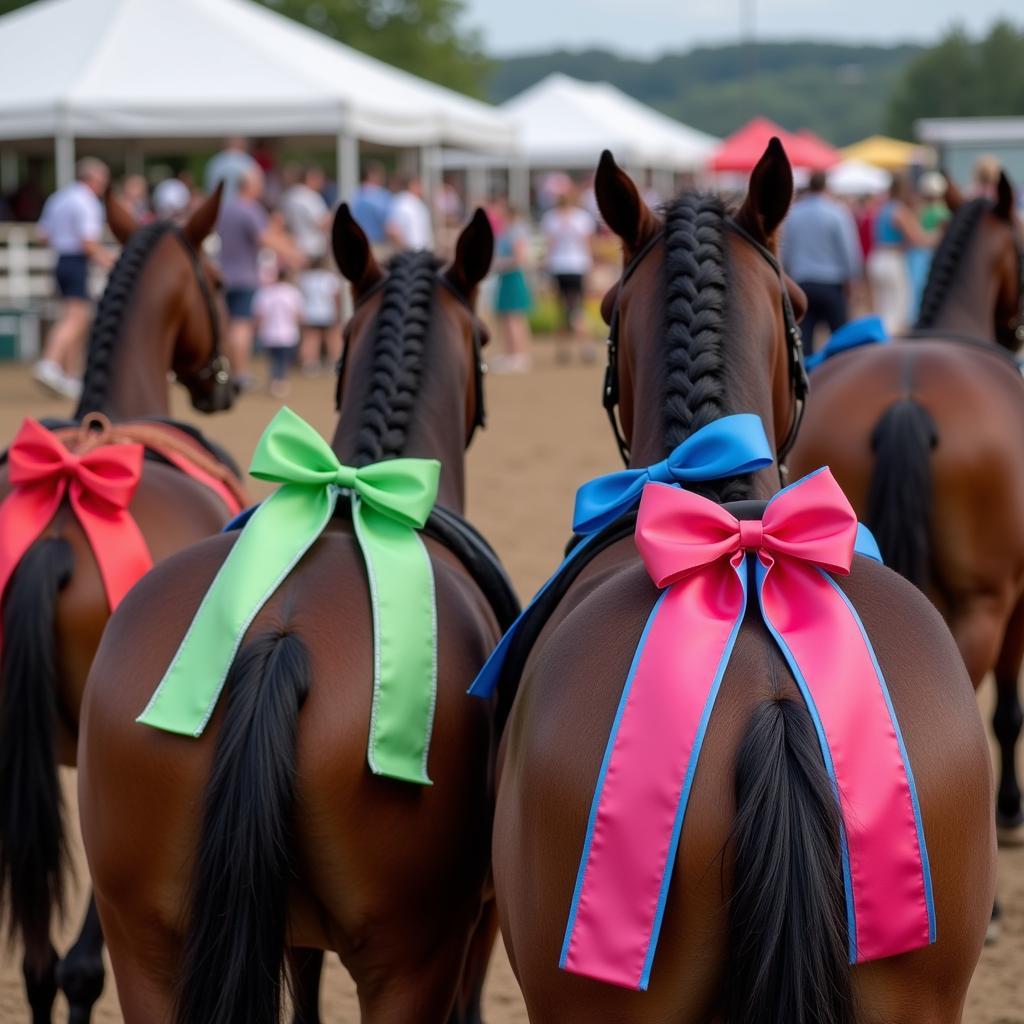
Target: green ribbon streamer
column 391, row 500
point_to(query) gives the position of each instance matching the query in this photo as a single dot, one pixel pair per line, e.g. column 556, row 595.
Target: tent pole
column 519, row 187
column 64, row 159
column 8, row 171
column 430, row 173
column 347, row 169
column 476, row 185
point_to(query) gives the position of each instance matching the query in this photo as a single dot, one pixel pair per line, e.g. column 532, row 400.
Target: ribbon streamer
column 99, row 485
column 729, row 446
column 700, row 556
column 391, row 500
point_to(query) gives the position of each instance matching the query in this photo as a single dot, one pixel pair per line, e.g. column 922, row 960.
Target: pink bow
column 678, row 532
column 697, row 553
column 100, row 486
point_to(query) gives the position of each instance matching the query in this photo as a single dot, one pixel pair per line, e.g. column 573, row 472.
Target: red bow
column 100, row 486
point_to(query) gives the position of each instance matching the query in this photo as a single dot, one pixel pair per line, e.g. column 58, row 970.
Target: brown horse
column 389, row 875
column 924, row 436
column 759, row 937
column 157, row 314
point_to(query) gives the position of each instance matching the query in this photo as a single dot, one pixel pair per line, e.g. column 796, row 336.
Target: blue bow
column 867, row 330
column 727, row 447
column 730, row 446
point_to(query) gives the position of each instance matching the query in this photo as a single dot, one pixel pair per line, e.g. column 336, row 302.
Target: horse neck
column 436, row 425
column 969, row 307
column 749, row 386
column 145, row 352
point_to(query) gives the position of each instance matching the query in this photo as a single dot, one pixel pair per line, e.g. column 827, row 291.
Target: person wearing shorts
column 321, row 314
column 569, row 230
column 72, row 225
column 245, row 228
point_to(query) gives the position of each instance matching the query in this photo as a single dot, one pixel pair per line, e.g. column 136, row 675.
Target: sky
column 648, row 27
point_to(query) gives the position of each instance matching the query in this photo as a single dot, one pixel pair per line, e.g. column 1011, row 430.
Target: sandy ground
column 547, row 434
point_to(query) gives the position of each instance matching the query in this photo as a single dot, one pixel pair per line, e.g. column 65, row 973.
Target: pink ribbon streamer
column 697, row 552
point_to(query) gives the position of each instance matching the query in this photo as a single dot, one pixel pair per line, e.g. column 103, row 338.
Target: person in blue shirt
column 821, row 252
column 371, row 204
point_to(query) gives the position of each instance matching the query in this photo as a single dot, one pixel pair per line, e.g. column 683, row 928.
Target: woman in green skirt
column 512, row 301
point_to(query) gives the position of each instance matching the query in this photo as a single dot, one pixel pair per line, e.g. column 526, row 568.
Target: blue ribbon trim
column 867, row 330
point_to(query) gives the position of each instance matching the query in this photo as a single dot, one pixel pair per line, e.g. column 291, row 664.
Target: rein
column 479, row 366
column 794, row 346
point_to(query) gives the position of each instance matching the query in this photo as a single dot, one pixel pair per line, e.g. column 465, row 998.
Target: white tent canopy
column 856, row 178
column 138, row 69
column 565, row 123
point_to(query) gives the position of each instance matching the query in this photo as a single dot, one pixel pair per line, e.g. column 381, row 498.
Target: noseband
column 479, row 366
column 794, row 345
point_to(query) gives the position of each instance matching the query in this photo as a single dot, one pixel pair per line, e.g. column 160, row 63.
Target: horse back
column 555, row 743
column 350, row 824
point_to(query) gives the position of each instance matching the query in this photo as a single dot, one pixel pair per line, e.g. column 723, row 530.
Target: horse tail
column 788, row 955
column 234, row 964
column 900, row 494
column 32, row 842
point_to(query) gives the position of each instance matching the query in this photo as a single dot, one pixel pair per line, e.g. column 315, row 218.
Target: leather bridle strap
column 216, row 366
column 794, row 345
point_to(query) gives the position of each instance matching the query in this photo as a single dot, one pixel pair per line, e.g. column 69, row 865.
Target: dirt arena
column 547, row 434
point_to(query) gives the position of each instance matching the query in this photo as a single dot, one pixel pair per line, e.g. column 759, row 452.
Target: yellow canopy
column 890, row 154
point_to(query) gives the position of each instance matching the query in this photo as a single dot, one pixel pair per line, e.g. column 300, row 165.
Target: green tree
column 962, row 78
column 424, row 37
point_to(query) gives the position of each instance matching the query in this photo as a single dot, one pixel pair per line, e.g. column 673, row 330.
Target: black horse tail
column 32, row 842
column 234, row 964
column 788, row 954
column 900, row 495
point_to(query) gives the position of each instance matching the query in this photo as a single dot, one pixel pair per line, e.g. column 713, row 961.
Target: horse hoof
column 1010, row 832
column 994, row 932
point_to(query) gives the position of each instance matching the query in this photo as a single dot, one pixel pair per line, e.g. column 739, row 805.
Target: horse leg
column 469, row 1006
column 41, row 988
column 1006, row 724
column 423, row 988
column 977, row 627
column 306, row 967
column 81, row 973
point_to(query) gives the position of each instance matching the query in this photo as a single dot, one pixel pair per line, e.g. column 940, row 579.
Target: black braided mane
column 696, row 277
column 106, row 327
column 948, row 257
column 399, row 341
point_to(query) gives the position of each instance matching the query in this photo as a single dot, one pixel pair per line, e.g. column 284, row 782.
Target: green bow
column 391, row 500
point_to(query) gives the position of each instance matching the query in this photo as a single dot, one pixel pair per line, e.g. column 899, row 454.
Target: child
column 277, row 309
column 321, row 296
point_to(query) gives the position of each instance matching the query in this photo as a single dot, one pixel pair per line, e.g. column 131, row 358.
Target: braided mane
column 947, row 259
column 399, row 341
column 106, row 328
column 696, row 277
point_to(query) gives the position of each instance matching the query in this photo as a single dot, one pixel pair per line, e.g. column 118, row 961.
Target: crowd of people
column 871, row 255
column 283, row 296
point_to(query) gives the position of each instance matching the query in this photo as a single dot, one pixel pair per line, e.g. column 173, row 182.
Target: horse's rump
column 557, row 735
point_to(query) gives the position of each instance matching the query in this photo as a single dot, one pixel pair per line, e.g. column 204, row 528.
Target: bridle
column 217, row 368
column 794, row 345
column 479, row 366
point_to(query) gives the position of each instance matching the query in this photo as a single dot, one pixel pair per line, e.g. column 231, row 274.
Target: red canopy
column 741, row 150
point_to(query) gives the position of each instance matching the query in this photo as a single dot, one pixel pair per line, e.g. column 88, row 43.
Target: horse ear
column 769, row 194
column 204, row 218
column 473, row 254
column 1005, row 200
column 954, row 197
column 352, row 252
column 621, row 204
column 121, row 220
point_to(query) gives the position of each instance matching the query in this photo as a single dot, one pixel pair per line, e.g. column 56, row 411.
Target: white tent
column 856, row 178
column 565, row 123
column 137, row 69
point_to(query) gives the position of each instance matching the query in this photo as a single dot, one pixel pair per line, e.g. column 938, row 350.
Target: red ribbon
column 100, row 486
